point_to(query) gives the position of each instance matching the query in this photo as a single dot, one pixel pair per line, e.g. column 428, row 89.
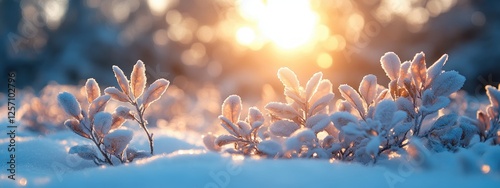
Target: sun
column 289, row 24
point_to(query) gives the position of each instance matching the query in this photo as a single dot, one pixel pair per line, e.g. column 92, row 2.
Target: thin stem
column 142, row 123
column 108, row 160
column 419, row 126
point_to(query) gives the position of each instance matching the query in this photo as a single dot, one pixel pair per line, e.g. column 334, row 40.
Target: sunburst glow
column 287, row 24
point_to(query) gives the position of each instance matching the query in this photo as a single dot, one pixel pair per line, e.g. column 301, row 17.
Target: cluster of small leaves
column 489, row 123
column 367, row 123
column 103, row 128
column 242, row 133
column 293, row 125
column 133, row 92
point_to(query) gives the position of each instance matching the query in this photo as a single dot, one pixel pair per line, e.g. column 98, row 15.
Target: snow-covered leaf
column 418, row 69
column 328, row 141
column 301, row 137
column 117, row 121
column 403, row 72
column 283, row 128
column 318, row 122
column 225, row 139
column 402, row 128
column 468, row 129
column 382, row 95
column 372, row 147
column 291, row 94
column 245, row 128
column 447, row 83
column 270, row 147
column 69, row 103
column 312, row 85
column 352, row 97
column 398, row 117
column 229, row 126
column 124, row 112
column 445, row 121
column 231, row 108
column 92, row 89
column 390, row 63
column 436, row 69
column 77, row 127
column 368, row 88
column 352, row 129
column 321, row 103
column 341, row 119
column 102, row 123
column 121, row 79
column 289, row 79
column 482, row 121
column 116, row 94
column 86, row 152
column 431, row 103
column 138, row 79
column 452, row 136
column 324, row 88
column 116, row 141
column 98, row 105
column 344, row 106
column 154, row 92
column 385, row 110
column 254, row 115
column 281, row 110
column 491, row 111
column 493, row 96
column 209, row 141
column 406, row 105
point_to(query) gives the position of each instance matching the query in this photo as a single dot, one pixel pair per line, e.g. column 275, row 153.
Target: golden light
column 394, row 155
column 288, row 24
column 158, row 7
column 485, row 169
column 23, row 182
column 245, row 35
column 324, row 60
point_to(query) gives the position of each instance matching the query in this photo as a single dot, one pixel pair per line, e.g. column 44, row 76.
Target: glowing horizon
column 286, row 24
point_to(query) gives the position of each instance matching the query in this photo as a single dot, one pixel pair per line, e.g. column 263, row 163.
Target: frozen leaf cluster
column 369, row 122
column 243, row 134
column 134, row 92
column 488, row 123
column 94, row 124
column 104, row 128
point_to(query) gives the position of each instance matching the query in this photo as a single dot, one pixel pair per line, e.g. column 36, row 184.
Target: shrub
column 368, row 123
column 103, row 128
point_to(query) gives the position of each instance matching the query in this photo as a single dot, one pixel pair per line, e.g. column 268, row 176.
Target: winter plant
column 293, row 124
column 104, row 128
column 489, row 123
column 242, row 133
column 367, row 123
column 132, row 92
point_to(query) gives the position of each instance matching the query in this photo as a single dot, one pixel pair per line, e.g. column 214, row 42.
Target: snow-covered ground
column 182, row 161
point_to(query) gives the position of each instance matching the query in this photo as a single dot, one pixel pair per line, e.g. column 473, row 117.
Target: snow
column 44, row 162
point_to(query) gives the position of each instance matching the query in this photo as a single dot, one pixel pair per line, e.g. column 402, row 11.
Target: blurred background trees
column 237, row 46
